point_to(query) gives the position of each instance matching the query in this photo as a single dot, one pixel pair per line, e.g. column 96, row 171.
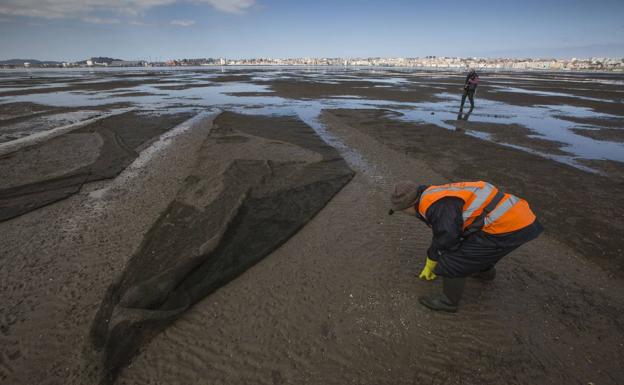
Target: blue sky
column 166, row 29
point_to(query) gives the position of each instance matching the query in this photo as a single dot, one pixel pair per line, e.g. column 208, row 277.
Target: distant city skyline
column 160, row 30
column 593, row 64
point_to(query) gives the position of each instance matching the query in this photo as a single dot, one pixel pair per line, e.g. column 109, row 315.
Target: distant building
column 127, row 63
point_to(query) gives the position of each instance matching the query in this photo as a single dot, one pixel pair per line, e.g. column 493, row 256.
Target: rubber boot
column 486, row 275
column 452, row 289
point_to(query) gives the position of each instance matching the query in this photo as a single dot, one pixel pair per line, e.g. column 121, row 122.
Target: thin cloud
column 81, row 9
column 231, row 6
column 182, row 23
column 99, row 20
column 77, row 9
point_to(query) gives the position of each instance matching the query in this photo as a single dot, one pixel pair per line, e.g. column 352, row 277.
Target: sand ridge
column 231, row 211
column 337, row 303
column 59, row 259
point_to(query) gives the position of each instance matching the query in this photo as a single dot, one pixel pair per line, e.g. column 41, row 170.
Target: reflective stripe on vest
column 501, row 209
column 509, row 213
column 480, row 191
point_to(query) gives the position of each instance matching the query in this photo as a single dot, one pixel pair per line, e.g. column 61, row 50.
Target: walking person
column 470, row 87
column 474, row 225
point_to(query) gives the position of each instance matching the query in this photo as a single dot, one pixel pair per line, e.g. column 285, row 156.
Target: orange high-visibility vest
column 503, row 213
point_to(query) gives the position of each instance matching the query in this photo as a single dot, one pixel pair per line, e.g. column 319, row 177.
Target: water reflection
column 197, row 90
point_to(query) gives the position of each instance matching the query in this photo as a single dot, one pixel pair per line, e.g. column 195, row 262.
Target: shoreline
column 319, row 67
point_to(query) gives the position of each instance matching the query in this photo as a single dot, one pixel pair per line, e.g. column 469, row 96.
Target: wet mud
column 521, row 99
column 111, row 144
column 613, row 169
column 131, row 94
column 583, row 218
column 298, row 89
column 512, row 134
column 232, row 78
column 272, row 175
column 338, row 303
column 609, row 134
column 613, row 122
column 85, row 86
column 184, row 86
column 11, row 111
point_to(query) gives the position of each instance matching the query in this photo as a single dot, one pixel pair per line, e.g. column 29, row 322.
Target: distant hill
column 100, row 60
column 20, row 62
column 35, row 62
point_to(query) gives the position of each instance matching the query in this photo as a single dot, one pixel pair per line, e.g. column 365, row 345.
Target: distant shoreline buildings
column 441, row 62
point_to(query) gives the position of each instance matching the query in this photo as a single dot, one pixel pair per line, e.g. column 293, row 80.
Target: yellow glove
column 427, row 273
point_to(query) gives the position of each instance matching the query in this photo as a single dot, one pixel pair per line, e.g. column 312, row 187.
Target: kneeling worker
column 474, row 225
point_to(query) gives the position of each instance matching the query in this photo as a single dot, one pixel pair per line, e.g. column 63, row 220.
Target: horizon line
column 149, row 59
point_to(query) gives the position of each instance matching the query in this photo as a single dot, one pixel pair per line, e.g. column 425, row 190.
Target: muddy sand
column 344, row 308
column 585, row 220
column 50, row 171
column 610, row 134
column 165, row 247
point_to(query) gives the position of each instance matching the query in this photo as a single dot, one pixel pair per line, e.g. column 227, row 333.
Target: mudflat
column 197, row 226
column 583, row 218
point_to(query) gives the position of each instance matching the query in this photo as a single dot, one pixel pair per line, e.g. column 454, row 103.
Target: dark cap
column 404, row 195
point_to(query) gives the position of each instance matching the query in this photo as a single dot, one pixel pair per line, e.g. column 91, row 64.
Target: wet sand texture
column 12, row 111
column 338, row 304
column 256, row 182
column 297, row 89
column 512, row 134
column 584, row 216
column 98, row 86
column 116, row 140
column 610, row 134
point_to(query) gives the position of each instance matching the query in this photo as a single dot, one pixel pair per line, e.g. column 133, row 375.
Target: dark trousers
column 470, row 94
column 477, row 253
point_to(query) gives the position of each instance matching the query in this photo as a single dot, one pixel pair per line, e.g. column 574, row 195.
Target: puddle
column 517, row 90
column 346, row 97
column 544, row 120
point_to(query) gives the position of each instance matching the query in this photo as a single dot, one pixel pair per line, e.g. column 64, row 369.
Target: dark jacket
column 446, row 221
column 471, row 83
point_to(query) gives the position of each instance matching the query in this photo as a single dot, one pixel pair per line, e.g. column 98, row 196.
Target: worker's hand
column 427, row 273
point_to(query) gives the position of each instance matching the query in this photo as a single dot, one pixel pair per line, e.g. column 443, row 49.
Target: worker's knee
column 450, row 270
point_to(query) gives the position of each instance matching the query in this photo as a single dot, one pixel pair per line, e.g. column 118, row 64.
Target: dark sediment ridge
column 257, row 180
column 609, row 134
column 112, row 143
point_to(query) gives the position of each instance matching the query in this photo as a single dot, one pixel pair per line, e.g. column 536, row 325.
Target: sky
column 71, row 30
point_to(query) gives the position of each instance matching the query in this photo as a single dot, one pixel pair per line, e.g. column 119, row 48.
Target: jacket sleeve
column 445, row 219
